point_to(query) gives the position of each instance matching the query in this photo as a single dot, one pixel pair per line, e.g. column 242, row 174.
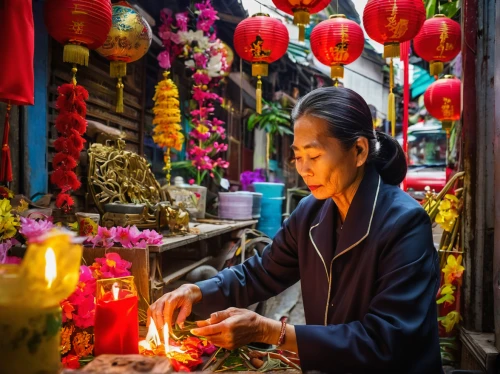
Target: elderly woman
column 360, row 246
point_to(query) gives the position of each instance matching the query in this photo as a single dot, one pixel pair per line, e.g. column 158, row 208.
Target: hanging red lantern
column 128, row 40
column 337, row 42
column 390, row 22
column 438, row 41
column 79, row 25
column 301, row 11
column 443, row 100
column 260, row 40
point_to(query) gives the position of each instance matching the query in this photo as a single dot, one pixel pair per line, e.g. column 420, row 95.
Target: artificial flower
column 446, row 294
column 23, row 206
column 4, row 250
column 32, row 229
column 65, row 345
column 81, row 344
column 8, row 222
column 113, row 266
column 71, row 362
column 122, row 236
column 64, row 201
column 448, row 212
column 67, row 309
column 104, row 238
column 85, row 313
column 6, row 193
column 453, row 269
column 450, row 320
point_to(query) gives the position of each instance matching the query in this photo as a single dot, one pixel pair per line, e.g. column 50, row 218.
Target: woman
column 361, row 247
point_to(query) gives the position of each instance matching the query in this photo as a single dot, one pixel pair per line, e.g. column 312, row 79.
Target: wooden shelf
column 179, row 268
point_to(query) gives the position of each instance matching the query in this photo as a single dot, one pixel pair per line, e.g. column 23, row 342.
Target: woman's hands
column 233, row 328
column 181, row 300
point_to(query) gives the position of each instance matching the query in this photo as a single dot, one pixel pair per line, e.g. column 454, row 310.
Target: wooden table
column 178, row 255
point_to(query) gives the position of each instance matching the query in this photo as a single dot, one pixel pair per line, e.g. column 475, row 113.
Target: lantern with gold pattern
column 260, row 40
column 128, row 40
column 443, row 100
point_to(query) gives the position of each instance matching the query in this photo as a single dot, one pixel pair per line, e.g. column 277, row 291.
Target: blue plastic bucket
column 271, row 207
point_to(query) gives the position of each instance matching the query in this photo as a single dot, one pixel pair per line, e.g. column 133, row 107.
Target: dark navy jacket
column 369, row 300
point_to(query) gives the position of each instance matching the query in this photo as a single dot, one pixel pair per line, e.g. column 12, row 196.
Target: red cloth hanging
column 6, row 165
column 405, row 58
column 17, row 52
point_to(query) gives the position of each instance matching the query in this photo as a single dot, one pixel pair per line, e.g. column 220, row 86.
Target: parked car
column 426, row 158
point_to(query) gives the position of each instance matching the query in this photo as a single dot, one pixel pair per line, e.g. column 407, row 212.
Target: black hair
column 348, row 117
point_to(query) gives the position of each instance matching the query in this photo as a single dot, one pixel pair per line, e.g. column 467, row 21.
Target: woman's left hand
column 232, row 328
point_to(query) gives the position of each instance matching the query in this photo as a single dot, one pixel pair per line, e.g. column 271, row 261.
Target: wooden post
column 496, row 255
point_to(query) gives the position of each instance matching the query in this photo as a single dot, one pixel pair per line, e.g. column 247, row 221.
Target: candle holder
column 30, row 316
column 116, row 326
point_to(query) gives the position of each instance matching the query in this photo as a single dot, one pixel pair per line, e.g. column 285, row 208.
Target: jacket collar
column 359, row 217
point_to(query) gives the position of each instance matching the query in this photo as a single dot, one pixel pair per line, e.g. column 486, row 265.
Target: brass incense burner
column 126, row 192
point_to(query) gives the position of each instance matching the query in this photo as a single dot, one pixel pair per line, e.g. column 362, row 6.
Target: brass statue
column 117, row 176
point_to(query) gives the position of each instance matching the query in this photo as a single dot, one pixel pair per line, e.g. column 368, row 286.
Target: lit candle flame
column 116, row 290
column 50, row 266
column 153, row 335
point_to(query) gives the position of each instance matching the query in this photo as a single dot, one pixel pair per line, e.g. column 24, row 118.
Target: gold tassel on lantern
column 76, row 54
column 436, row 68
column 259, row 70
column 258, row 96
column 118, row 69
column 391, row 50
column 391, row 108
column 301, row 18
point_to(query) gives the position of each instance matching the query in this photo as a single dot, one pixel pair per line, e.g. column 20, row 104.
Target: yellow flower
column 8, row 222
column 450, row 320
column 446, row 293
column 447, row 212
column 202, row 129
column 81, row 344
column 66, row 339
column 453, row 269
column 23, row 206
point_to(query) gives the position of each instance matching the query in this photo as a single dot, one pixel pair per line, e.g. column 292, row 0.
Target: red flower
column 63, row 161
column 71, row 362
column 67, row 309
column 67, row 121
column 65, row 180
column 64, row 201
column 179, row 367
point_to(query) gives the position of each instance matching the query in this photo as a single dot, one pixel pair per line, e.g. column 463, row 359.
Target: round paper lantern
column 79, row 25
column 128, row 40
column 443, row 100
column 438, row 41
column 337, row 42
column 260, row 40
column 301, row 11
column 391, row 22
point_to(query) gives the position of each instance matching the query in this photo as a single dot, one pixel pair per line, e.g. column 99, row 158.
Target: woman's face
column 321, row 160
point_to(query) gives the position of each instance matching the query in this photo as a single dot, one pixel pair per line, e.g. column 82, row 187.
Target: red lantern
column 443, row 100
column 260, row 40
column 438, row 41
column 301, row 11
column 78, row 24
column 337, row 42
column 391, row 22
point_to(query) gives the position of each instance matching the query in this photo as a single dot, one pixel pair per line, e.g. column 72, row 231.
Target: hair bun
column 390, row 161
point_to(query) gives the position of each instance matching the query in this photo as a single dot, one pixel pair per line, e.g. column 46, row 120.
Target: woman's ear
column 362, row 149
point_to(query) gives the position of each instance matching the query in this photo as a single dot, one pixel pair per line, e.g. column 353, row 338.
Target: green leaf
column 430, row 8
column 450, row 298
column 450, row 9
column 181, row 165
column 286, row 130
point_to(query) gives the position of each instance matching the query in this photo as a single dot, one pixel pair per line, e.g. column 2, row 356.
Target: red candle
column 116, row 327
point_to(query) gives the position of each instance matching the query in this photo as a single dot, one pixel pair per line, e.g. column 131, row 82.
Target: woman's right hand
column 182, row 300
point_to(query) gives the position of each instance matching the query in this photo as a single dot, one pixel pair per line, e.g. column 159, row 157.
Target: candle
column 116, row 326
column 30, row 316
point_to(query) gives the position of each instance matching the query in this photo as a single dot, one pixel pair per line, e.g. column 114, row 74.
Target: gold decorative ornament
column 126, row 192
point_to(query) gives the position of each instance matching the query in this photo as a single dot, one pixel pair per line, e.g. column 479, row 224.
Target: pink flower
column 200, row 60
column 123, row 236
column 164, row 60
column 182, row 21
column 104, row 238
column 166, row 16
column 32, row 229
column 84, row 316
column 135, row 235
column 152, row 237
column 13, row 260
column 4, row 250
column 112, row 266
column 200, row 78
column 191, row 181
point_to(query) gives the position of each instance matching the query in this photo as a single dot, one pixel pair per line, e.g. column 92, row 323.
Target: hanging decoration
column 337, row 42
column 438, row 41
column 301, row 11
column 128, row 40
column 260, row 40
column 167, row 130
column 443, row 101
column 391, row 22
column 16, row 65
column 71, row 125
column 191, row 37
column 79, row 25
